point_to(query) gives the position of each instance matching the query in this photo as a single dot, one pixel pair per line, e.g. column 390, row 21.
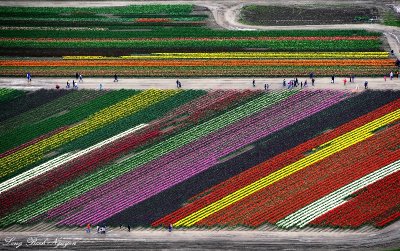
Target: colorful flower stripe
column 34, row 141
column 337, row 38
column 276, row 201
column 251, row 175
column 381, row 196
column 214, row 147
column 259, row 55
column 212, row 55
column 98, row 178
column 56, row 162
column 215, row 100
column 153, row 20
column 328, row 149
column 202, row 71
column 124, row 108
column 316, row 209
column 174, row 63
column 14, row 199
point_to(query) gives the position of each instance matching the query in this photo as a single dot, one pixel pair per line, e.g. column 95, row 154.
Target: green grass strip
column 9, row 94
column 53, row 108
column 108, row 173
column 275, row 45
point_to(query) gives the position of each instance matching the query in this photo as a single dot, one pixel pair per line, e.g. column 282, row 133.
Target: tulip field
column 200, row 159
column 175, row 41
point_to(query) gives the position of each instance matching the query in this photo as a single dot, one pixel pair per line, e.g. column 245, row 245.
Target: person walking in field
column 115, row 78
column 68, row 85
column 170, row 228
column 254, row 83
column 177, row 83
column 77, row 75
column 80, row 78
column 344, row 82
column 312, row 81
column 366, row 85
column 284, row 83
column 391, row 75
column 88, row 228
column 305, row 83
column 333, row 79
column 397, row 74
column 384, row 77
column 28, row 76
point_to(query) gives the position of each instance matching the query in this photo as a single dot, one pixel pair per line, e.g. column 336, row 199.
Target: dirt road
column 197, row 83
column 387, row 238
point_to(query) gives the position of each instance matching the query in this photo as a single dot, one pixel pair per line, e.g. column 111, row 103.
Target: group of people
column 74, row 85
column 99, row 229
column 266, row 85
column 391, row 75
column 295, row 83
column 102, row 229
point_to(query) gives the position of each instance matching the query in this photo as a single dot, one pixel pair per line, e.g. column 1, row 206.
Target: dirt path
column 197, row 83
column 387, row 238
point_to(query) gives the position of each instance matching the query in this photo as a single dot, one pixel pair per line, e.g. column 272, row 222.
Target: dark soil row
column 280, row 15
column 170, row 200
column 27, row 102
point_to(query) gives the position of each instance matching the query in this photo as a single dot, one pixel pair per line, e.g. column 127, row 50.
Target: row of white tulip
column 316, row 209
column 60, row 160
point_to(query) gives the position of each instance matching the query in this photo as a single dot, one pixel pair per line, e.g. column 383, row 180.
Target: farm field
column 236, row 158
column 309, row 14
column 175, row 41
column 195, row 158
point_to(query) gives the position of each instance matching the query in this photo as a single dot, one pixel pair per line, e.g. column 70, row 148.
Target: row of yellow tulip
column 211, row 55
column 325, row 150
column 35, row 152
